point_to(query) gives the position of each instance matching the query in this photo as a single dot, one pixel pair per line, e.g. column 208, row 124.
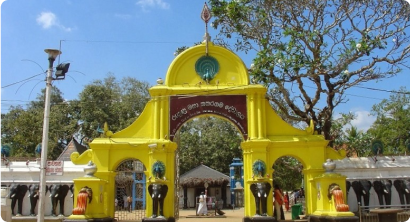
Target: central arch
column 207, row 79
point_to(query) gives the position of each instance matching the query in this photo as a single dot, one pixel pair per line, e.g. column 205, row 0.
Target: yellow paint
column 269, row 137
column 320, row 186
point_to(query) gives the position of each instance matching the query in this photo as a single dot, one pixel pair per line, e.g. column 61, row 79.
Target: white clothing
column 277, row 209
column 202, row 208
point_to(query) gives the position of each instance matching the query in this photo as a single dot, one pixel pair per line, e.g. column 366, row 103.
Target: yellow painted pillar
column 164, row 124
column 260, row 119
column 252, row 151
column 251, row 116
column 165, row 152
column 98, row 207
column 321, row 186
column 156, row 126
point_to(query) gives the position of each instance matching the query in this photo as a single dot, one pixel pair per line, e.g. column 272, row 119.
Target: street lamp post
column 52, row 55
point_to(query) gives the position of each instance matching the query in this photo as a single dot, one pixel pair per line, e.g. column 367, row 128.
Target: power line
column 384, row 90
column 21, row 81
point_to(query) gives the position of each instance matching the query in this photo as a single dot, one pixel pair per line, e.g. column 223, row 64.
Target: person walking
column 279, row 199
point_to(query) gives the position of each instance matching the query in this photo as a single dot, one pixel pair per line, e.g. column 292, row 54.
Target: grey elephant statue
column 261, row 192
column 57, row 194
column 403, row 188
column 72, row 193
column 158, row 192
column 383, row 190
column 348, row 185
column 34, row 195
column 16, row 194
column 362, row 190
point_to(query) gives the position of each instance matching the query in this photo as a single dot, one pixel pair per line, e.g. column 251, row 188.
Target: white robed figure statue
column 202, row 208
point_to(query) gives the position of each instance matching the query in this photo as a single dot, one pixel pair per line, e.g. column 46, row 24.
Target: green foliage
column 210, row 141
column 391, row 128
column 288, row 173
column 23, row 129
column 118, row 103
column 392, row 123
column 311, row 52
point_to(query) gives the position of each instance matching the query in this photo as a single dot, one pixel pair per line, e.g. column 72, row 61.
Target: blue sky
column 134, row 38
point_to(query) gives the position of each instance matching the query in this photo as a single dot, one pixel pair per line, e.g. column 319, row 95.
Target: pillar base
column 158, row 219
column 259, row 219
column 333, row 219
column 106, row 219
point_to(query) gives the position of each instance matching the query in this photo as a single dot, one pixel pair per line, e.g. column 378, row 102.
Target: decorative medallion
column 377, row 147
column 259, row 168
column 207, row 67
column 158, row 169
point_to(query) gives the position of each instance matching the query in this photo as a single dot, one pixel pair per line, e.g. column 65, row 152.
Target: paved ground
column 231, row 216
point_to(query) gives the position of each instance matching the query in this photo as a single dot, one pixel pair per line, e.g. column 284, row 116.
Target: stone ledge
column 259, row 219
column 333, row 219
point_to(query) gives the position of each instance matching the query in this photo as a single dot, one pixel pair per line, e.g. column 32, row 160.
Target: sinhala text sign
column 55, row 168
column 232, row 107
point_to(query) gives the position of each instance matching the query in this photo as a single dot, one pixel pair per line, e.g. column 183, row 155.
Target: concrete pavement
column 236, row 215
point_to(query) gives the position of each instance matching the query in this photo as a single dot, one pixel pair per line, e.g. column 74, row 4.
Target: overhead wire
column 225, row 90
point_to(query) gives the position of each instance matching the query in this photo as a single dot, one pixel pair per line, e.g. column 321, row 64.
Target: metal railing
column 365, row 215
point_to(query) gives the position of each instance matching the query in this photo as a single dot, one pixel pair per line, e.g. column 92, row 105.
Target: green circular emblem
column 207, row 67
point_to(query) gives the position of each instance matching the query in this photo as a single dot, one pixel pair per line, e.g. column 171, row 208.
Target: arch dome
column 232, row 70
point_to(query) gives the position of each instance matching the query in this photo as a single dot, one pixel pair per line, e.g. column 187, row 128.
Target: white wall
column 367, row 168
column 21, row 173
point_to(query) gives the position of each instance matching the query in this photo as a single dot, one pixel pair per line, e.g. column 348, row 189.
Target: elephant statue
column 336, row 192
column 85, row 194
column 362, row 189
column 72, row 190
column 34, row 195
column 16, row 194
column 72, row 193
column 58, row 193
column 383, row 190
column 403, row 188
column 158, row 192
column 348, row 185
column 261, row 192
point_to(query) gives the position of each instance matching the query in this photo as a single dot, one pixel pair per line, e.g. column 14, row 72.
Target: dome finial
column 206, row 16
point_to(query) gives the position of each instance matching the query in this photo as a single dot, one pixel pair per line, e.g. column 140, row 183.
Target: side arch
column 130, row 190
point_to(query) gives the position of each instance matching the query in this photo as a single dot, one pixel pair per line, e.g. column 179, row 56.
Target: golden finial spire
column 206, row 16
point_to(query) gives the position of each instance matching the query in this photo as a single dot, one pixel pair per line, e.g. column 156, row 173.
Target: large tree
column 211, row 141
column 23, row 128
column 392, row 126
column 311, row 52
column 117, row 103
column 288, row 173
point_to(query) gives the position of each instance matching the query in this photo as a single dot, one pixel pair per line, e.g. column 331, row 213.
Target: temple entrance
column 204, row 80
column 288, row 176
column 130, row 190
column 205, row 144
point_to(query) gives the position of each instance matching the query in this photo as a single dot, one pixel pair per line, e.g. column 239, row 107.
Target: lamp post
column 52, row 55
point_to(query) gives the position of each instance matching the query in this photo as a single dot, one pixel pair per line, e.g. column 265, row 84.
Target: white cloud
column 363, row 120
column 48, row 20
column 144, row 4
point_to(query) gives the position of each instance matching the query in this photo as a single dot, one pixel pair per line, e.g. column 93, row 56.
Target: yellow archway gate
column 207, row 80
